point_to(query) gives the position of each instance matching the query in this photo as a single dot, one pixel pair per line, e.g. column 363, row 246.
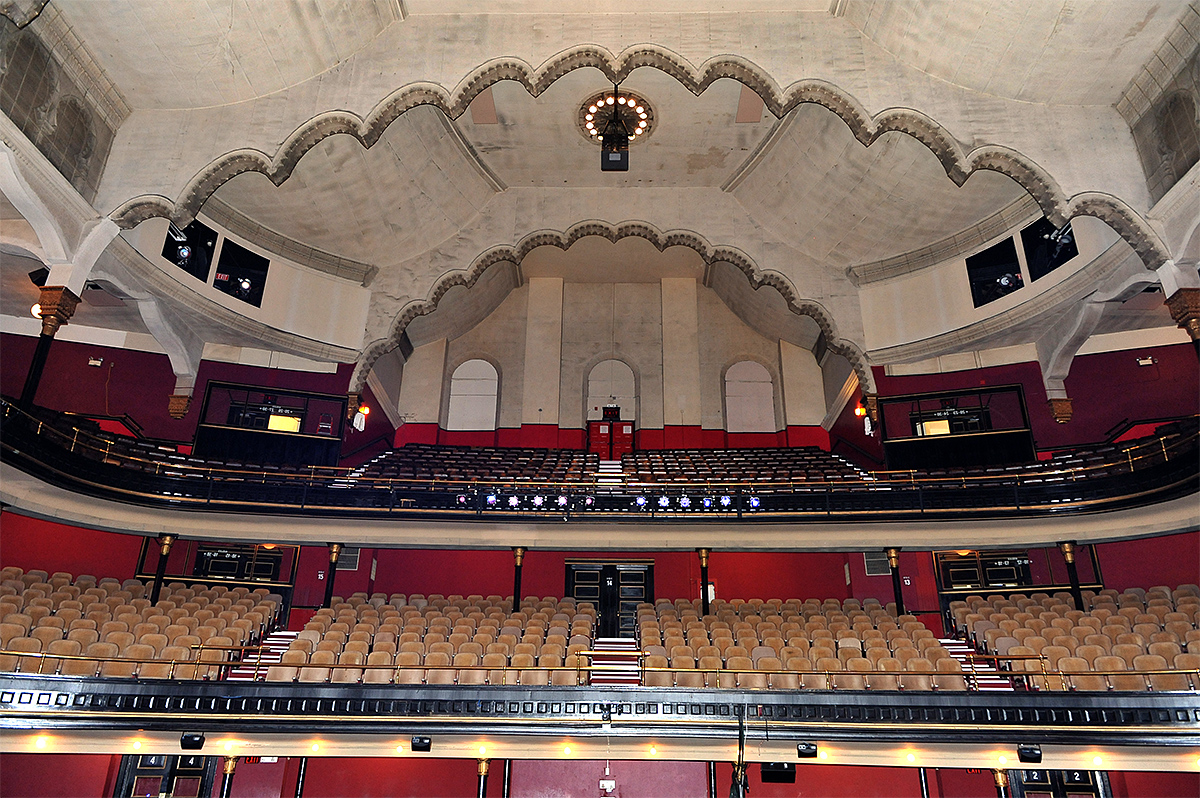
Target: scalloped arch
column 616, row 67
column 661, row 240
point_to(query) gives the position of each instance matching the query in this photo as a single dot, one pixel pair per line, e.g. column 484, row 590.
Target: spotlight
column 754, row 502
column 461, row 499
column 191, row 742
column 806, row 750
column 1029, row 753
column 684, row 501
column 663, row 501
column 589, row 501
column 640, row 501
column 513, row 501
column 562, row 501
column 492, row 499
column 726, row 501
column 421, row 745
column 708, row 502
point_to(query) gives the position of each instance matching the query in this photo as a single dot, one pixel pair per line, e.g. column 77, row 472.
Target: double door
column 615, row 588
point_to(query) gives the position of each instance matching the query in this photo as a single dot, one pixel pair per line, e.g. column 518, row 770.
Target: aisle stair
column 257, row 662
column 986, row 675
column 615, row 662
column 610, row 473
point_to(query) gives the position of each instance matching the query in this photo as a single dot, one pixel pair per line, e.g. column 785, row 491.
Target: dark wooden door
column 615, row 588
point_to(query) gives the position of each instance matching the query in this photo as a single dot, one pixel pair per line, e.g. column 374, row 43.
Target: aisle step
column 257, row 662
column 616, row 662
column 986, row 676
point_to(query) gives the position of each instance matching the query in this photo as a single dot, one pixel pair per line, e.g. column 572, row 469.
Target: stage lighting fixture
column 806, row 750
column 663, row 501
column 685, row 502
column 640, row 501
column 421, row 745
column 589, row 501
column 191, row 742
column 562, row 501
column 726, row 501
column 538, row 501
column 513, row 501
column 708, row 502
column 1030, row 754
column 754, row 502
column 492, row 499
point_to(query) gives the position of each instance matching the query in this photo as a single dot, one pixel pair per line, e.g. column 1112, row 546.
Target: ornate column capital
column 56, row 305
column 165, row 542
column 893, row 556
column 871, row 402
column 1068, row 550
column 1061, row 409
column 704, row 553
column 335, row 549
column 178, row 404
column 518, row 554
column 1184, row 305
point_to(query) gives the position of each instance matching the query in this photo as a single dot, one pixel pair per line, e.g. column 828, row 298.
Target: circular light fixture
column 42, row 741
column 137, row 745
column 596, row 111
column 1097, row 760
column 315, row 747
column 1003, row 760
column 35, row 310
column 823, row 754
column 911, row 757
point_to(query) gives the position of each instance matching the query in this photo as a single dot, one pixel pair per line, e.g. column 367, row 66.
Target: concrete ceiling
column 1076, row 52
column 200, row 53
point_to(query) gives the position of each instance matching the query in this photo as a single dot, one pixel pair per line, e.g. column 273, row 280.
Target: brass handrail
column 1151, row 448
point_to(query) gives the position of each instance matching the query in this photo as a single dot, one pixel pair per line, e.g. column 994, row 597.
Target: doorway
column 615, row 588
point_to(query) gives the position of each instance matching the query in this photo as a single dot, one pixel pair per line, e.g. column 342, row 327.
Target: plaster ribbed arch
column 616, row 67
column 661, row 240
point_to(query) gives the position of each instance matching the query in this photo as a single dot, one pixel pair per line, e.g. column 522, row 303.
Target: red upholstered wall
column 58, row 775
column 33, row 543
column 1154, row 784
column 635, row 779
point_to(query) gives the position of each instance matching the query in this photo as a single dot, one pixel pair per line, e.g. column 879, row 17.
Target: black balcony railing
column 1135, row 474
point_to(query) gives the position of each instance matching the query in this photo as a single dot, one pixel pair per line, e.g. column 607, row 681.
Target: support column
column 227, row 779
column 680, row 359
column 543, row 362
column 164, row 550
column 518, row 558
column 335, row 549
column 1184, row 305
column 893, row 556
column 421, row 382
column 1001, row 779
column 483, row 774
column 1068, row 552
column 56, row 305
column 704, row 579
column 506, row 787
column 300, row 773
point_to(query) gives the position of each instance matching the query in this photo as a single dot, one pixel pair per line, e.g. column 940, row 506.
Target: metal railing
column 1139, row 473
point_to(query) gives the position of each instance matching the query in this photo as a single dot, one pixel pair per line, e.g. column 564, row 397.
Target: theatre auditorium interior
column 527, row 398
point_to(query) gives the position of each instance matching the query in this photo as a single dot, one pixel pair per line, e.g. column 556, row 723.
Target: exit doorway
column 615, row 588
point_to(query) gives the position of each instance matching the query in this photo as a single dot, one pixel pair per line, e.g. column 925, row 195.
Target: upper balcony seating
column 1151, row 629
column 103, row 620
column 709, row 466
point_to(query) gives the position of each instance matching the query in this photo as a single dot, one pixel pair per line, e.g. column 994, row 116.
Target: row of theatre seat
column 1152, row 631
column 1136, row 640
column 793, row 644
column 417, row 461
column 81, row 626
column 436, row 640
column 690, row 466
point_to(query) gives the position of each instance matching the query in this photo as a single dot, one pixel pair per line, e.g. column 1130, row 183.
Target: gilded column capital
column 1184, row 305
column 56, row 305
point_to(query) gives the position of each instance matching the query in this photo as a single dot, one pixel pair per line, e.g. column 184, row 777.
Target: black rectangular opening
column 994, row 273
column 1047, row 248
column 191, row 248
column 241, row 273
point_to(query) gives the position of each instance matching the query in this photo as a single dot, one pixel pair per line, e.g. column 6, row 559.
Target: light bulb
column 589, row 117
column 567, row 750
column 41, row 741
column 609, row 100
column 137, row 745
column 592, row 109
column 639, row 109
column 911, row 757
column 315, row 747
column 1097, row 761
column 621, row 100
column 36, row 310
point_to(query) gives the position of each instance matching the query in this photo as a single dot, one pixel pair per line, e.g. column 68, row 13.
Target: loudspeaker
column 191, row 742
column 778, row 773
column 614, row 160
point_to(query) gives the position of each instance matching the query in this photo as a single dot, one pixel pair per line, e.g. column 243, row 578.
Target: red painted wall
column 257, row 780
column 1154, row 784
column 829, row 781
column 33, row 543
column 360, row 777
column 635, row 779
column 58, row 775
column 1165, row 560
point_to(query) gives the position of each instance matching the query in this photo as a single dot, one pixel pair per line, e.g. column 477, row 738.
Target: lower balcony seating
column 1060, row 647
column 107, row 627
column 441, row 640
column 1137, row 640
column 793, row 644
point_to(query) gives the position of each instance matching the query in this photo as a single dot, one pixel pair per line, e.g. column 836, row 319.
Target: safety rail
column 1147, row 471
column 582, row 672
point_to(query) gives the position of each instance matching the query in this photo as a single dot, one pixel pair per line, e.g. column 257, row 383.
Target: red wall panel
column 635, row 779
column 445, row 571
column 829, row 781
column 257, row 780
column 51, row 546
column 1154, row 784
column 401, row 777
column 58, row 775
column 1164, row 560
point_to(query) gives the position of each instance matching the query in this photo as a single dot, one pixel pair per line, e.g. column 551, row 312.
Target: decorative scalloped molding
column 615, row 232
column 1014, row 214
column 958, row 164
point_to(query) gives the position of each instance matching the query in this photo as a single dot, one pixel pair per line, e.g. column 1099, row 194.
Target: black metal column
column 712, row 780
column 164, row 550
column 893, row 556
column 704, row 579
column 227, row 778
column 518, row 559
column 483, row 773
column 300, row 777
column 36, row 367
column 335, row 549
column 507, row 786
column 924, row 779
column 1068, row 551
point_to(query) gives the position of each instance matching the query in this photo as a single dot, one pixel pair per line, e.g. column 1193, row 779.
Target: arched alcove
column 474, row 388
column 611, row 382
column 749, row 398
